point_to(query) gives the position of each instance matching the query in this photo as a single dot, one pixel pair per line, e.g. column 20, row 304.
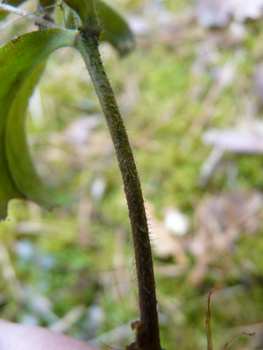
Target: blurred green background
column 72, row 269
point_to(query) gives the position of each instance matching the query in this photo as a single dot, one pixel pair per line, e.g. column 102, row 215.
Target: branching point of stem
column 87, row 12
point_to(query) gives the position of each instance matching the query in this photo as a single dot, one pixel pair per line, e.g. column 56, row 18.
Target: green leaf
column 115, row 29
column 22, row 61
column 72, row 21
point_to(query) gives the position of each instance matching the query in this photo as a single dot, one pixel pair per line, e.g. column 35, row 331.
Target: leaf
column 22, row 61
column 115, row 29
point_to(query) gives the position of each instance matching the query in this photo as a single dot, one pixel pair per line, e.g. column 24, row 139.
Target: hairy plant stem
column 148, row 329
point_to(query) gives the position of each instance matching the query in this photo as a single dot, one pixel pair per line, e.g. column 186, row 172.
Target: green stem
column 87, row 12
column 148, row 330
column 92, row 18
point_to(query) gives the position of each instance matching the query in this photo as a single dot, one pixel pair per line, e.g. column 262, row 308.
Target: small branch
column 227, row 345
column 22, row 13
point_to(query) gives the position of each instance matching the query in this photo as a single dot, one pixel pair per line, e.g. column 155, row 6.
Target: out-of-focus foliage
column 218, row 13
column 3, row 14
column 181, row 81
